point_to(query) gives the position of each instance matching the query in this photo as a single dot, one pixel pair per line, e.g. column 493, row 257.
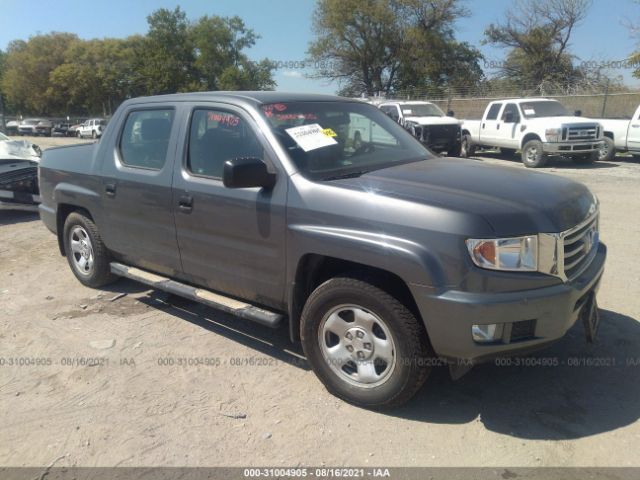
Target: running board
column 211, row 299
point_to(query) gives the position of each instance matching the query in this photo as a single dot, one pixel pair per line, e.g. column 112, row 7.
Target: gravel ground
column 145, row 379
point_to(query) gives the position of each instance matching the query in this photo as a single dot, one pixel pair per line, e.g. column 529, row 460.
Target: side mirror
column 451, row 113
column 578, row 113
column 247, row 172
column 508, row 117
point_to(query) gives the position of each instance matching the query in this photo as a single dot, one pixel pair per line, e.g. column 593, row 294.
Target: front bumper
column 572, row 148
column 550, row 312
column 10, row 200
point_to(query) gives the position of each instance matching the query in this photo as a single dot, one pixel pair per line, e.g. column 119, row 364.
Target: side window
column 391, row 111
column 145, row 138
column 513, row 109
column 216, row 136
column 492, row 114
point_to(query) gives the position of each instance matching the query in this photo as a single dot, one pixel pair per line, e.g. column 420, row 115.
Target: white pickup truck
column 437, row 131
column 620, row 136
column 539, row 127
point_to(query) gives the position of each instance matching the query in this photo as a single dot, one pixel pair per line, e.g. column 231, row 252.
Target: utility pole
column 3, row 125
column 606, row 94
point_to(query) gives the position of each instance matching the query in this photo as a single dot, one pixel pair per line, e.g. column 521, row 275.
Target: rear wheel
column 86, row 253
column 94, row 135
column 586, row 159
column 608, row 150
column 363, row 343
column 532, row 154
column 79, row 135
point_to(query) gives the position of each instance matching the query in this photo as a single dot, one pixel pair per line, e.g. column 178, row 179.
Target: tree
column 386, row 46
column 28, row 65
column 166, row 56
column 219, row 59
column 635, row 31
column 538, row 33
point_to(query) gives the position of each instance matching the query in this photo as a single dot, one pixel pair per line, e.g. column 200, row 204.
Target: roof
column 256, row 97
column 531, row 99
column 408, row 102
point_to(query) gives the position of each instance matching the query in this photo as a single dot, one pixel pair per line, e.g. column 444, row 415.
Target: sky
column 285, row 28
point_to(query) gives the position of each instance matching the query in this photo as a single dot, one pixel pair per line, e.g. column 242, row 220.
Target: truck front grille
column 578, row 245
column 588, row 132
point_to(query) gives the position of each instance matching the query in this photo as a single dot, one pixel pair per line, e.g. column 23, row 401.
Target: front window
column 328, row 140
column 543, row 109
column 421, row 110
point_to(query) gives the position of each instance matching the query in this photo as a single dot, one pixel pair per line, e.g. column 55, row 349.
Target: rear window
column 145, row 138
column 492, row 114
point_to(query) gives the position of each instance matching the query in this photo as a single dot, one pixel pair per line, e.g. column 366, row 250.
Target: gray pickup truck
column 383, row 260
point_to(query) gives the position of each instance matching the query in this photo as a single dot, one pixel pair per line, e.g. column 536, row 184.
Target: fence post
column 604, row 102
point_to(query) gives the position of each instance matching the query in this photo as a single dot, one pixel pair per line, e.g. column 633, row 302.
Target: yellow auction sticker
column 329, row 133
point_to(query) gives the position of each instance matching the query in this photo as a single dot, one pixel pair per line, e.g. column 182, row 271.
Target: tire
column 608, row 150
column 357, row 140
column 636, row 157
column 79, row 134
column 532, row 155
column 467, row 148
column 586, row 159
column 96, row 271
column 394, row 368
column 455, row 151
column 94, row 135
column 507, row 152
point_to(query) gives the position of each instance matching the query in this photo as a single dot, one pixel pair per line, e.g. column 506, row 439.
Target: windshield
column 421, row 110
column 543, row 109
column 328, row 140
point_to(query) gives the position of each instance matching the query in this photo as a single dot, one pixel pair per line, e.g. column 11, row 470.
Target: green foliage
column 59, row 73
column 392, row 46
column 537, row 34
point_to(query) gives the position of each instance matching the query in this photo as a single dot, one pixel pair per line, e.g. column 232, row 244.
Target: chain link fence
column 593, row 102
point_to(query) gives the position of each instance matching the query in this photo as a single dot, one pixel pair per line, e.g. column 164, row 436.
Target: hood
column 513, row 201
column 433, row 120
column 564, row 120
column 19, row 150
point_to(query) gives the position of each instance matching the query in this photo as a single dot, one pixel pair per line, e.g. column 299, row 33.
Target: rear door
column 137, row 200
column 633, row 138
column 490, row 126
column 231, row 240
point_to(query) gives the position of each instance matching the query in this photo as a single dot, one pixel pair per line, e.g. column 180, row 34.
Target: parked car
column 384, row 260
column 44, row 128
column 61, row 129
column 429, row 124
column 92, row 128
column 18, row 174
column 620, row 136
column 539, row 127
column 12, row 127
column 28, row 126
column 73, row 130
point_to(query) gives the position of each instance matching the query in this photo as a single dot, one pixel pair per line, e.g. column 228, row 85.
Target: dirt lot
column 242, row 394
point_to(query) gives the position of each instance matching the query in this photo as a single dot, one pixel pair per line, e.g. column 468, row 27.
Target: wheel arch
column 62, row 213
column 314, row 269
column 528, row 137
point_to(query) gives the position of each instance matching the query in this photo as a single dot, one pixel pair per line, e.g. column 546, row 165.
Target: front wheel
column 607, row 150
column 532, row 154
column 363, row 343
column 94, row 135
column 467, row 149
column 87, row 255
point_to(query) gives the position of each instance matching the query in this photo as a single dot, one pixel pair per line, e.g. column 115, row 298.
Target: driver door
column 230, row 240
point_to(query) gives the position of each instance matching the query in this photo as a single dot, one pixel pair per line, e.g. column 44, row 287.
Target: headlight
column 509, row 254
column 553, row 134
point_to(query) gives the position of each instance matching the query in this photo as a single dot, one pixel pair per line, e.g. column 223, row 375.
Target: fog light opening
column 489, row 333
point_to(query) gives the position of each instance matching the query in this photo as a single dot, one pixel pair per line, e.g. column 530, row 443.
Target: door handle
column 483, row 125
column 635, row 125
column 110, row 189
column 185, row 203
column 498, row 127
